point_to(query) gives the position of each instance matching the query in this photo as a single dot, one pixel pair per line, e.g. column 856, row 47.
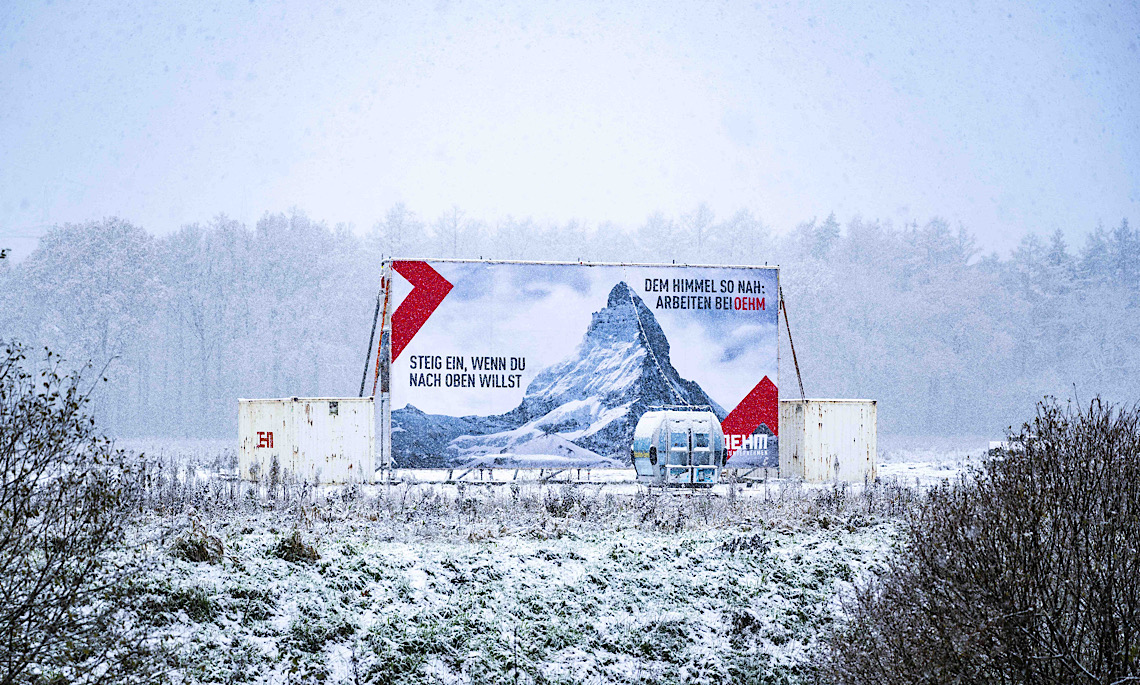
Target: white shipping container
column 828, row 440
column 314, row 439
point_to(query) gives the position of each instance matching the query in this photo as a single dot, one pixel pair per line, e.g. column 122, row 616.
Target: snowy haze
column 1004, row 118
column 199, row 196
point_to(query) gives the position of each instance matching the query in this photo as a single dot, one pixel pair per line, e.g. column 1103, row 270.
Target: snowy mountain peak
column 587, row 404
column 627, row 319
column 620, row 369
column 620, row 294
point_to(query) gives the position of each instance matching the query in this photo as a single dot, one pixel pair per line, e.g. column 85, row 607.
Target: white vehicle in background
column 678, row 446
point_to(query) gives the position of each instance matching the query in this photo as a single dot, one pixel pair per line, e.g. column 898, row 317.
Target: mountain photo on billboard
column 579, row 412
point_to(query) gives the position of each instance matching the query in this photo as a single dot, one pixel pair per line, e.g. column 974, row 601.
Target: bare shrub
column 274, row 477
column 65, row 499
column 295, row 550
column 197, row 545
column 1026, row 573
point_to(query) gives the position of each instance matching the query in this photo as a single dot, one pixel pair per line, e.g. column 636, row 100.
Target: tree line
column 949, row 340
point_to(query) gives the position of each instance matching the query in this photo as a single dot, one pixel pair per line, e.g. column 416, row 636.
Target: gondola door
column 680, row 467
column 704, row 457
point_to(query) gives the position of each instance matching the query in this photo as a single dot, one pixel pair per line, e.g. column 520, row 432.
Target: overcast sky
column 1006, row 118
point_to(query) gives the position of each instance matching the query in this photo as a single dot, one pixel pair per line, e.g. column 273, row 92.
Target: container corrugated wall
column 314, row 439
column 829, row 440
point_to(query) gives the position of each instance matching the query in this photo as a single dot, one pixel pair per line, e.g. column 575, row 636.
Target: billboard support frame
column 384, row 372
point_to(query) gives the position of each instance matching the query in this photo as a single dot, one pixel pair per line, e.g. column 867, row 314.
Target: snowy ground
column 532, row 583
column 925, row 461
column 914, row 461
column 594, row 581
column 933, row 449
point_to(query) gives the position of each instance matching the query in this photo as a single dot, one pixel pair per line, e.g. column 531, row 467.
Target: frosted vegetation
column 950, row 341
column 1021, row 571
column 135, row 568
column 1026, row 573
column 485, row 584
column 151, row 568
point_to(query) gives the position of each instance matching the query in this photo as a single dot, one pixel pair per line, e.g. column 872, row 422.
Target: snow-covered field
column 523, row 583
column 913, row 461
column 510, row 578
column 925, row 461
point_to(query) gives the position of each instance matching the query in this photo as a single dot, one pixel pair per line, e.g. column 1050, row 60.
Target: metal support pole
column 371, row 339
column 791, row 344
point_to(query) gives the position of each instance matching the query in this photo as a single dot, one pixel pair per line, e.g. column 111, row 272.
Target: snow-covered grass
column 202, row 453
column 932, row 449
column 926, row 461
column 924, row 474
column 522, row 583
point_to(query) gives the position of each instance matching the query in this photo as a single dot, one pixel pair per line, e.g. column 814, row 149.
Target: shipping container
column 312, row 439
column 828, row 440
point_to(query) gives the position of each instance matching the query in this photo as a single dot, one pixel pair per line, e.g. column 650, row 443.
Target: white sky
column 1006, row 118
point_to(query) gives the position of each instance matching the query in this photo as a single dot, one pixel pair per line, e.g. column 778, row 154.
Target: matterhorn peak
column 592, row 399
column 619, row 295
column 620, row 369
column 626, row 319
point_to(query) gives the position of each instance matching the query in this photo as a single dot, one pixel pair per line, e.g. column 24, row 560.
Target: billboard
column 525, row 364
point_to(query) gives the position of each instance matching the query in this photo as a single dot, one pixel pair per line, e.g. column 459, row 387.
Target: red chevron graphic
column 761, row 406
column 428, row 290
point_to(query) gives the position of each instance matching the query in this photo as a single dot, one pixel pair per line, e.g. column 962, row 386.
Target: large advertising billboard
column 512, row 364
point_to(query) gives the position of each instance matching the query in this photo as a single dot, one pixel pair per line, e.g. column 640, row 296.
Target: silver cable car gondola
column 678, row 446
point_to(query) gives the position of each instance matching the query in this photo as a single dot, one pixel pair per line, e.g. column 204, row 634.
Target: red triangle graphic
column 761, row 406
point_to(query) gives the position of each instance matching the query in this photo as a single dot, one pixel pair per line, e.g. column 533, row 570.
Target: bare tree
column 65, row 501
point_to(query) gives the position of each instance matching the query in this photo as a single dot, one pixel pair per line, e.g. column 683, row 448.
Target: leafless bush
column 198, row 545
column 65, row 499
column 294, row 549
column 1026, row 573
column 274, row 477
